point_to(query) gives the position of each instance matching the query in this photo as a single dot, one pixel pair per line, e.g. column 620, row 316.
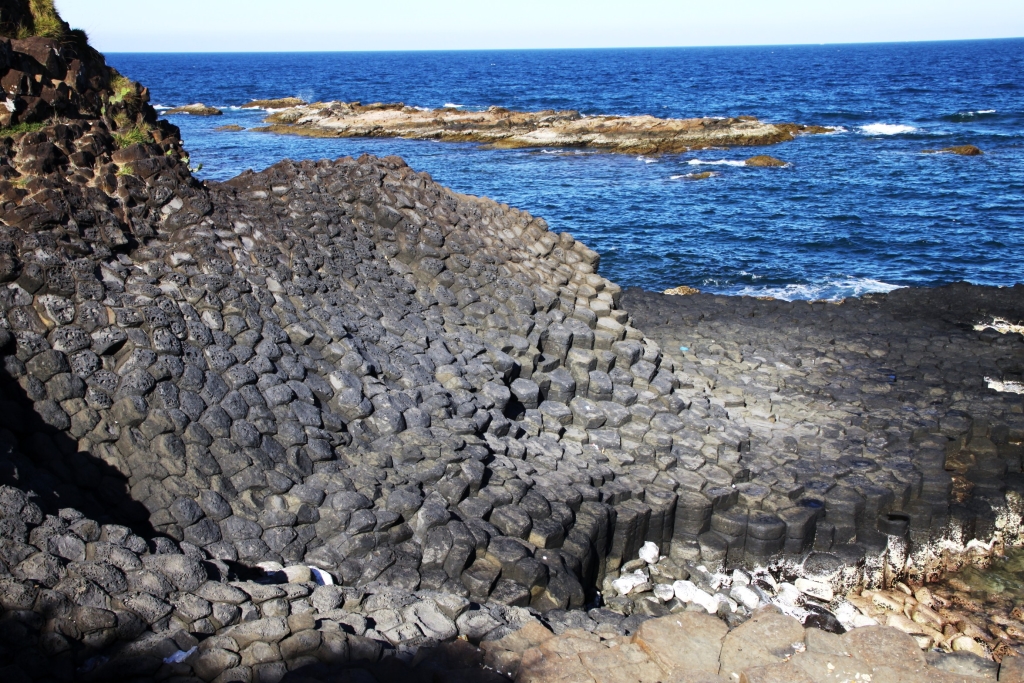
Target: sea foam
column 887, row 129
column 719, row 162
column 828, row 290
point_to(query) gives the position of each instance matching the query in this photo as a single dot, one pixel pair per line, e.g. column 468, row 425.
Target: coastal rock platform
column 503, row 128
column 333, row 418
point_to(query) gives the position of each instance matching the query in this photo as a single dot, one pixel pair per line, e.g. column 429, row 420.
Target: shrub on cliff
column 27, row 18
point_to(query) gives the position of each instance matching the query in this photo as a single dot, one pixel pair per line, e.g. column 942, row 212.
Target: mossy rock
column 701, row 176
column 765, row 161
column 232, row 128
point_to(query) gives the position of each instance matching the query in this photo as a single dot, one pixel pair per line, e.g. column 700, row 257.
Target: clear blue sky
column 296, row 25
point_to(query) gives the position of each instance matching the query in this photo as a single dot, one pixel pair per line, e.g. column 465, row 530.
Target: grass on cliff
column 132, row 136
column 123, row 88
column 20, row 128
column 45, row 21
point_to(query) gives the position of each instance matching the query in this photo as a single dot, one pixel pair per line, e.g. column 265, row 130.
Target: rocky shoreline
column 333, row 419
column 502, row 128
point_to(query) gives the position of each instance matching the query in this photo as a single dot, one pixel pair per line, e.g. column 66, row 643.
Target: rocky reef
column 503, row 128
column 198, row 109
column 334, row 419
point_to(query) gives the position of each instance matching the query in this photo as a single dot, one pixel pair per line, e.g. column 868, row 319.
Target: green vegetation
column 124, row 89
column 45, row 21
column 20, row 128
column 132, row 136
column 187, row 160
column 125, row 170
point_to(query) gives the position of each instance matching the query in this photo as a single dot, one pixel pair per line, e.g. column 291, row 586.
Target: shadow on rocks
column 42, row 458
column 455, row 662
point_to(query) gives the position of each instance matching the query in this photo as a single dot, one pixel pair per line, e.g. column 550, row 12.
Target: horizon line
column 556, row 49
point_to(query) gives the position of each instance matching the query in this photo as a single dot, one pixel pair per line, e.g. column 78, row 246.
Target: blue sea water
column 859, row 210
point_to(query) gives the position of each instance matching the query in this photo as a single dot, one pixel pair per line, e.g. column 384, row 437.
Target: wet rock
column 198, row 109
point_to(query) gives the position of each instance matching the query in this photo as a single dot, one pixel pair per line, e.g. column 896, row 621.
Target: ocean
column 859, row 210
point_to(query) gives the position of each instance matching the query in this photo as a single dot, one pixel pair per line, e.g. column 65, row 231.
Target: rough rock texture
column 198, row 109
column 875, row 414
column 959, row 150
column 334, row 412
column 510, row 129
column 765, row 161
column 688, row 647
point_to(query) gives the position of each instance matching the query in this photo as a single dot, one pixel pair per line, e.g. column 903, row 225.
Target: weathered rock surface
column 765, row 161
column 198, row 109
column 959, row 150
column 333, row 412
column 282, row 103
column 510, row 129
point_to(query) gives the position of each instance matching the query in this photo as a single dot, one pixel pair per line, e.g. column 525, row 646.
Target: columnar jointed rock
column 342, row 373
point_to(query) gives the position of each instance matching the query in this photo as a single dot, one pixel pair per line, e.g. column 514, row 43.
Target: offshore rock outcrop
column 334, row 413
column 503, row 128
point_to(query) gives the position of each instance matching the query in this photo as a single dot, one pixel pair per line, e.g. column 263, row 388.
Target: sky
column 332, row 25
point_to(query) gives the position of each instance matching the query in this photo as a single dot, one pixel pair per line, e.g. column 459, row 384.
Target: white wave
column 985, row 111
column 835, row 130
column 450, row 105
column 887, row 129
column 422, row 108
column 646, row 160
column 161, row 107
column 719, row 162
column 830, row 290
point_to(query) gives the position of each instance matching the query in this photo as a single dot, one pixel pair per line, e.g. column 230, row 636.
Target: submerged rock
column 765, row 161
column 198, row 109
column 282, row 103
column 232, row 128
column 959, row 150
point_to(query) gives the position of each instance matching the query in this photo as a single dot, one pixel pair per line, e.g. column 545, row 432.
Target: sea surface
column 860, row 210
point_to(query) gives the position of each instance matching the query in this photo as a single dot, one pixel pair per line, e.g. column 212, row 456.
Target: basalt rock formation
column 334, row 411
column 501, row 127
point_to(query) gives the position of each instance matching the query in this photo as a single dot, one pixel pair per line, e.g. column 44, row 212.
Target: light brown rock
column 824, row 642
column 1011, row 670
column 688, row 642
column 621, row 664
column 828, row 668
column 198, row 109
column 539, row 666
column 881, row 646
column 767, row 638
column 786, row 672
column 512, row 129
column 530, row 635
